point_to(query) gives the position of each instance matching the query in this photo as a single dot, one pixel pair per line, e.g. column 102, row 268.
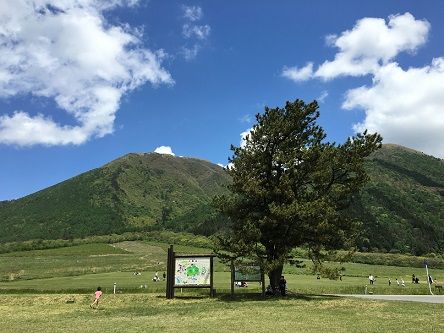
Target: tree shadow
column 248, row 297
column 274, row 298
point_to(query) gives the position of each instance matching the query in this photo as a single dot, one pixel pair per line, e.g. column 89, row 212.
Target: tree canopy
column 289, row 187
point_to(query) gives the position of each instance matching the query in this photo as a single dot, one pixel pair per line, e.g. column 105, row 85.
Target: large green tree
column 289, row 186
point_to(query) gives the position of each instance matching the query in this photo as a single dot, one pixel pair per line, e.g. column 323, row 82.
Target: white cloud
column 195, row 35
column 67, row 51
column 403, row 105
column 198, row 31
column 373, row 42
column 166, row 150
column 243, row 135
column 192, row 13
column 362, row 50
column 322, row 96
column 298, row 74
column 190, row 53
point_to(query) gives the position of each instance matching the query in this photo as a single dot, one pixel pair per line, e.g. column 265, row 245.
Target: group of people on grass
column 401, row 282
column 282, row 286
column 269, row 291
column 156, row 277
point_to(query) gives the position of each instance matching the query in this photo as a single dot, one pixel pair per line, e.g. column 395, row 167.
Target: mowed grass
column 72, row 274
column 86, row 259
column 154, row 313
column 82, row 268
column 126, row 282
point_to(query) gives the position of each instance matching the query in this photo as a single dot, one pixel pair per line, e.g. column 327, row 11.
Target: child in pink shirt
column 97, row 296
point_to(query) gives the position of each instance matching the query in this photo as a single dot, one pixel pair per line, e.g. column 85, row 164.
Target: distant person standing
column 283, row 286
column 390, row 282
column 371, row 279
column 97, row 296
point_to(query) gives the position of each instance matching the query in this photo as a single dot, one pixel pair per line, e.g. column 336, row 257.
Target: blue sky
column 83, row 82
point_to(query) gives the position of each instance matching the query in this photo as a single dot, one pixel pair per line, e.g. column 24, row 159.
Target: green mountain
column 135, row 192
column 402, row 207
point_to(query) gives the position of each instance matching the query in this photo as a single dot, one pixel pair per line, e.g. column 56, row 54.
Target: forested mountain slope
column 134, row 192
column 402, row 207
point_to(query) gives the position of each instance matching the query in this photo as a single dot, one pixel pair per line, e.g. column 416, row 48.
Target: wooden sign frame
column 171, row 272
column 233, row 278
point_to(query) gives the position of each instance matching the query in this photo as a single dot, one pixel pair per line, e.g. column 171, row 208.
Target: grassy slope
column 403, row 205
column 82, row 268
column 130, row 193
column 402, row 208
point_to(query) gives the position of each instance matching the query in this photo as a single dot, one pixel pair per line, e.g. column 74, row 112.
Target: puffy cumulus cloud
column 362, row 50
column 404, row 106
column 165, row 150
column 373, row 42
column 65, row 50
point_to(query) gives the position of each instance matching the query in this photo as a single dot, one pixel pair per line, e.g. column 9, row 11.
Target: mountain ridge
column 401, row 208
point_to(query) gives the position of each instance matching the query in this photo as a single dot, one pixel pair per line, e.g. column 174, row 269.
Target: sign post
column 247, row 273
column 189, row 271
column 170, row 273
column 428, row 277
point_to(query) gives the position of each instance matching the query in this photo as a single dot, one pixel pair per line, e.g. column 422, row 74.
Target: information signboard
column 192, row 271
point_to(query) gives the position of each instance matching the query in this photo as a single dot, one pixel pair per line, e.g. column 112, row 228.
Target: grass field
column 153, row 313
column 50, row 291
column 82, row 268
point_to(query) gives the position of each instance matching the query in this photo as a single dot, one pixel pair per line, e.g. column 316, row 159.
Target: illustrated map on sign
column 192, row 272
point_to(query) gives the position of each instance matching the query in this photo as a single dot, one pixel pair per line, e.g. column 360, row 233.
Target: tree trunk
column 274, row 276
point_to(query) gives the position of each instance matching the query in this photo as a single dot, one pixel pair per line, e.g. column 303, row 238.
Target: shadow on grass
column 247, row 297
column 273, row 298
column 186, row 297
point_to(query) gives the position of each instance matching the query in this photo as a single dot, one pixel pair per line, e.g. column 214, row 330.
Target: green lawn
column 153, row 313
column 50, row 291
column 127, row 282
column 84, row 267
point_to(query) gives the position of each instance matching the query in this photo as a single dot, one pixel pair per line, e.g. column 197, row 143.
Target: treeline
column 389, row 259
column 179, row 238
column 384, row 259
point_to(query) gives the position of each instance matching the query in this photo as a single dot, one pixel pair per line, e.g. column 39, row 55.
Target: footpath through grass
column 153, row 313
